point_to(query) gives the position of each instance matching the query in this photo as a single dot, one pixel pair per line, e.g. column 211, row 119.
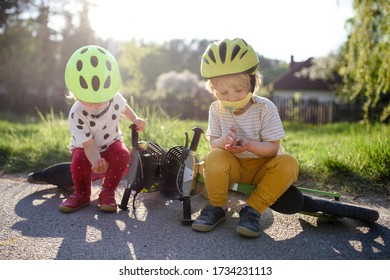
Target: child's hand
column 140, row 124
column 230, row 138
column 100, row 166
column 239, row 146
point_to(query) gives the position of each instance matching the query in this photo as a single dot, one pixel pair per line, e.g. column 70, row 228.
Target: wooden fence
column 184, row 109
column 305, row 110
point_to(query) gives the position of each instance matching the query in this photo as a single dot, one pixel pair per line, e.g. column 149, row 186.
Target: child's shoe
column 74, row 202
column 107, row 201
column 209, row 218
column 249, row 224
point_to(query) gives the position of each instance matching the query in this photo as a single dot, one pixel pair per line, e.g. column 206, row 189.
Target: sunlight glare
column 276, row 29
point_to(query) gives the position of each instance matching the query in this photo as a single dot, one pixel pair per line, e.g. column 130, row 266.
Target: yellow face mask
column 235, row 106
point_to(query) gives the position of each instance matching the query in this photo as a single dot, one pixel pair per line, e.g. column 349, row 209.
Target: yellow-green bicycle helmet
column 92, row 74
column 228, row 57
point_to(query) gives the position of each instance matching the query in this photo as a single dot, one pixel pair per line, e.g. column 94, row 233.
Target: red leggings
column 117, row 156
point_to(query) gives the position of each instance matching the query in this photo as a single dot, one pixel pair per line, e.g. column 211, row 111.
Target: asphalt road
column 32, row 228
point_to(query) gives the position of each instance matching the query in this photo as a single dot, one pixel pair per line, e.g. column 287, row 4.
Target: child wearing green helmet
column 244, row 131
column 92, row 77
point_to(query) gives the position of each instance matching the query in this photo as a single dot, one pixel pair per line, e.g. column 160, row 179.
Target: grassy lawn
column 343, row 157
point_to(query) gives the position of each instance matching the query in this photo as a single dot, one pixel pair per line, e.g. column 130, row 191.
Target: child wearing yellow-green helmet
column 244, row 131
column 92, row 77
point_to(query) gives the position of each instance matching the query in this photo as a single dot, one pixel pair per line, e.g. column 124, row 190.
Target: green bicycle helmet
column 92, row 74
column 228, row 57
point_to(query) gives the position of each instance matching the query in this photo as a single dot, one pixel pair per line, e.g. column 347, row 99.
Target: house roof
column 294, row 80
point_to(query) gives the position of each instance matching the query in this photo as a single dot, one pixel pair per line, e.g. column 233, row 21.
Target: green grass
column 351, row 157
column 29, row 144
column 342, row 157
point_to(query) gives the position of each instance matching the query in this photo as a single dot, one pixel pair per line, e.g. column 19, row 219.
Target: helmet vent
column 79, row 65
column 108, row 65
column 95, row 83
column 107, row 83
column 83, row 83
column 94, row 61
column 243, row 54
column 83, row 50
column 205, row 61
column 211, row 55
column 222, row 52
column 101, row 50
column 235, row 51
column 251, row 70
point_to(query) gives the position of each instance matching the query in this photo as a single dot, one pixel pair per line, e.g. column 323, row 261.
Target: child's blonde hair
column 242, row 80
column 71, row 98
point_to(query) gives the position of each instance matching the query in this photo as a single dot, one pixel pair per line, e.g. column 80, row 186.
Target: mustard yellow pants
column 271, row 176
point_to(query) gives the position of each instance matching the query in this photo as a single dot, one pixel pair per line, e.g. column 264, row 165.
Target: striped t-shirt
column 260, row 122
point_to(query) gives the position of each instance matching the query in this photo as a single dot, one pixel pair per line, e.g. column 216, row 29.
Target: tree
column 32, row 55
column 26, row 54
column 130, row 60
column 178, row 85
column 10, row 11
column 366, row 69
column 183, row 95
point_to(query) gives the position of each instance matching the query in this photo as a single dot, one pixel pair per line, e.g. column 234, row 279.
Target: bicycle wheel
column 340, row 210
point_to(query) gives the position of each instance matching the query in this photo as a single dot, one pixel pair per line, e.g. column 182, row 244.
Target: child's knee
column 125, row 156
column 217, row 159
column 288, row 163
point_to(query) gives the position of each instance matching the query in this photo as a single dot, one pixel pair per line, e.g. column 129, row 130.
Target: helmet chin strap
column 252, row 83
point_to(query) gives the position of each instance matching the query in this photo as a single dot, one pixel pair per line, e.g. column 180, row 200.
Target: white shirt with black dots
column 104, row 129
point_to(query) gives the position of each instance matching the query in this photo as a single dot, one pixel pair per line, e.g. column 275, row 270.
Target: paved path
column 32, row 228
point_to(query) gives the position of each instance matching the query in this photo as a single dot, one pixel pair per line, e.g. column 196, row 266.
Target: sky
column 276, row 29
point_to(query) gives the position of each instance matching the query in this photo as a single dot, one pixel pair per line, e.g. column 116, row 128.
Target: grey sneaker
column 209, row 218
column 249, row 224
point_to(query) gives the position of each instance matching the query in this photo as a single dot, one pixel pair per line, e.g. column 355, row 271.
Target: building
column 303, row 99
